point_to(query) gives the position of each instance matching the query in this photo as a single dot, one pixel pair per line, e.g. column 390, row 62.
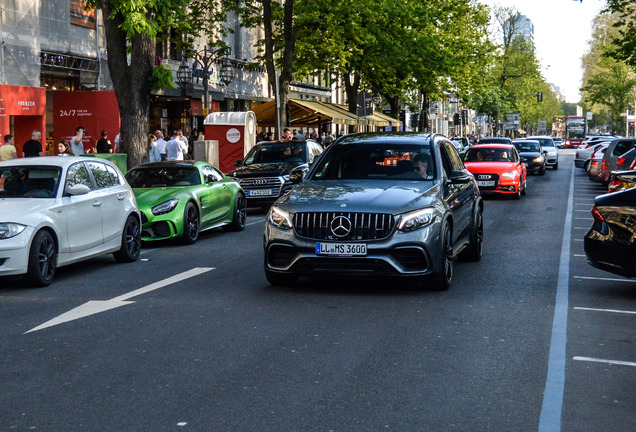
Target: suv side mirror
column 296, row 177
column 238, row 163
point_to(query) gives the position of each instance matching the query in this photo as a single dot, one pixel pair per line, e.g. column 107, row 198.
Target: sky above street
column 562, row 30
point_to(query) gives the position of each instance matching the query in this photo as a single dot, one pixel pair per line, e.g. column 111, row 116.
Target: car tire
column 475, row 248
column 586, row 164
column 191, row 224
column 525, row 188
column 542, row 172
column 555, row 166
column 130, row 241
column 42, row 260
column 239, row 217
column 279, row 279
column 517, row 195
column 441, row 280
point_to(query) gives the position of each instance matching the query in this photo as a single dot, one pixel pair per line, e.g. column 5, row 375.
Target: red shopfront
column 22, row 110
column 95, row 111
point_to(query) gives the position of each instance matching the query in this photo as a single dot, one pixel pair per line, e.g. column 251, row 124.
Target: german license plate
column 341, row 249
column 259, row 192
column 485, row 183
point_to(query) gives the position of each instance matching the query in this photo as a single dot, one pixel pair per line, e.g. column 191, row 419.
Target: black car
column 610, row 244
column 265, row 172
column 531, row 154
column 378, row 205
column 495, row 140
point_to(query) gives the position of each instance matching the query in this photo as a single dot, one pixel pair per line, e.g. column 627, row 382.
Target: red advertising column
column 93, row 110
column 27, row 106
column 236, row 134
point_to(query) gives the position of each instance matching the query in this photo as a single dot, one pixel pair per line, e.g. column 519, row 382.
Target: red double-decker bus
column 574, row 131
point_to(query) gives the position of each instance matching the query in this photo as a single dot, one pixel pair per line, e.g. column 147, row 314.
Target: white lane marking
column 96, row 306
column 612, row 362
column 605, row 279
column 606, row 310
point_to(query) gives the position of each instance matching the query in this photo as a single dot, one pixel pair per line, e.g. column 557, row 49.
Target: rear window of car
column 623, row 146
column 384, row 161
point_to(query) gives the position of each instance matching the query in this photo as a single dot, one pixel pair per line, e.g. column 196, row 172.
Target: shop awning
column 309, row 114
column 305, row 114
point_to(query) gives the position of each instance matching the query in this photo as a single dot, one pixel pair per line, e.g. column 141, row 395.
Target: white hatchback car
column 55, row 211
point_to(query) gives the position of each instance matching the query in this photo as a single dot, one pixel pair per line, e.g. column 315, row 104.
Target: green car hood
column 150, row 197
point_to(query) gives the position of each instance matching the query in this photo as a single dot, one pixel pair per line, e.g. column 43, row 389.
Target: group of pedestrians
column 73, row 147
column 324, row 139
column 174, row 149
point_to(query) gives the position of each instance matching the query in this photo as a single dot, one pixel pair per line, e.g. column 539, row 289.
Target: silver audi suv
column 377, row 205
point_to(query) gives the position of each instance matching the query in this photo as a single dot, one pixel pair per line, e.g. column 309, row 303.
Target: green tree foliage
column 623, row 46
column 132, row 28
column 608, row 82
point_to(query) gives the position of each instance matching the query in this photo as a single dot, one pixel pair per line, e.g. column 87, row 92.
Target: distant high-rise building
column 525, row 28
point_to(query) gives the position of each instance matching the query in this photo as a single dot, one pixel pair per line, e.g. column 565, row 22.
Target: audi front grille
column 261, row 182
column 343, row 226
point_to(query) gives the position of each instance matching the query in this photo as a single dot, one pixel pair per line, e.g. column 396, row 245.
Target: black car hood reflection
column 266, row 169
column 369, row 196
column 529, row 154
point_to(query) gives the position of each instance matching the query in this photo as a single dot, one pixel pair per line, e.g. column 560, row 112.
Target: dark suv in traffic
column 377, row 205
column 265, row 172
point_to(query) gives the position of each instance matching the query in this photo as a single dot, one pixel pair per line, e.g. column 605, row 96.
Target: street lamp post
column 206, row 59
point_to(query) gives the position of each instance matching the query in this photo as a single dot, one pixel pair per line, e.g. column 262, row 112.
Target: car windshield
column 277, row 152
column 29, row 181
column 162, row 176
column 545, row 142
column 527, row 146
column 377, row 161
column 488, row 155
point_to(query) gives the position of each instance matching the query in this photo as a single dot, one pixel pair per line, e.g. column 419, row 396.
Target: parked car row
column 56, row 211
column 610, row 243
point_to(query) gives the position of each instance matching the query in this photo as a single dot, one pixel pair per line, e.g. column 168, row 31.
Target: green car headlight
column 416, row 219
column 8, row 230
column 279, row 218
column 165, row 207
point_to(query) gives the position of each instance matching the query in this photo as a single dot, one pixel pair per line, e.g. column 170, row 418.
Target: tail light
column 614, row 185
column 633, row 164
column 603, row 164
column 577, row 155
column 621, row 160
column 567, row 143
column 596, row 214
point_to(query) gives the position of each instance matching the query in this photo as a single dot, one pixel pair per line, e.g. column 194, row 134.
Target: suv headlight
column 510, row 174
column 538, row 159
column 165, row 207
column 279, row 218
column 416, row 219
column 8, row 230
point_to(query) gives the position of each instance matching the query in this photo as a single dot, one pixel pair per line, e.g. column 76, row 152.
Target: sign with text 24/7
column 94, row 110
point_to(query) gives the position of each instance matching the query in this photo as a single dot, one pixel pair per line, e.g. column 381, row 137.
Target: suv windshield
column 277, row 152
column 384, row 161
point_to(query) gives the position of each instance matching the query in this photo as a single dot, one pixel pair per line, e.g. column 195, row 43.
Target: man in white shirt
column 160, row 143
column 175, row 148
column 184, row 139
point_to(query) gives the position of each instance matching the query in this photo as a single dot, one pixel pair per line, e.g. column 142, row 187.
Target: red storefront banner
column 93, row 110
column 27, row 106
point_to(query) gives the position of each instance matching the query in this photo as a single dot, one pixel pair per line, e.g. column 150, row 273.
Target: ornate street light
column 206, row 58
column 184, row 74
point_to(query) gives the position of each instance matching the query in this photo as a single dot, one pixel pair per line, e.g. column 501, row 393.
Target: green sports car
column 179, row 199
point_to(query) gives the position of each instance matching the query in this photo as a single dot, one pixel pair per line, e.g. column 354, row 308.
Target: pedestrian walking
column 176, row 148
column 64, row 148
column 8, row 150
column 33, row 147
column 77, row 146
column 103, row 145
column 160, row 143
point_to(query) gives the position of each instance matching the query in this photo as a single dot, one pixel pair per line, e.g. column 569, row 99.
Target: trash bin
column 119, row 159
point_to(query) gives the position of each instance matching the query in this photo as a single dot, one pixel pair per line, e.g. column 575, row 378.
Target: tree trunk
column 131, row 84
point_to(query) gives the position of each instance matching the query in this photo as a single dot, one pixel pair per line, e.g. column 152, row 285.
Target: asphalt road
column 193, row 338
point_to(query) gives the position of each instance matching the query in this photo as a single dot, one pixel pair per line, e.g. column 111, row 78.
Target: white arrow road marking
column 97, row 306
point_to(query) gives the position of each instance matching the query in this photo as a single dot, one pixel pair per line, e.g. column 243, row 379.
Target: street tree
column 131, row 28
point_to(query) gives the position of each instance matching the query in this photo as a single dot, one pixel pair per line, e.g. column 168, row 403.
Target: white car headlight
column 510, row 175
column 416, row 219
column 165, row 207
column 8, row 230
column 538, row 159
column 279, row 218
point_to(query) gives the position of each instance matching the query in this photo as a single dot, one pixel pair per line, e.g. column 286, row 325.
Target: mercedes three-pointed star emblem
column 340, row 226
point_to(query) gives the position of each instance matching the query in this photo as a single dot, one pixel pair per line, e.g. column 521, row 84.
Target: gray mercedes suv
column 377, row 205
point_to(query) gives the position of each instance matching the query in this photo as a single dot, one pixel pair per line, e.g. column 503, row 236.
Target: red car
column 497, row 169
